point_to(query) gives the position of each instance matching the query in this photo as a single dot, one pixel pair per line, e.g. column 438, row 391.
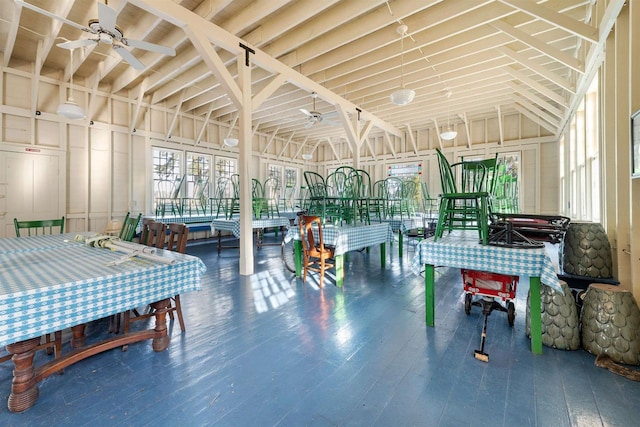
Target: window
column 198, row 171
column 167, row 179
column 579, row 161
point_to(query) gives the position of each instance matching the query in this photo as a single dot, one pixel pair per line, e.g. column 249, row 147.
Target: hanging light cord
column 71, row 73
column 402, row 60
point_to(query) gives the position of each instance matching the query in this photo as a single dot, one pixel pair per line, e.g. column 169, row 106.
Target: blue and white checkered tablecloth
column 405, row 224
column 350, row 238
column 63, row 285
column 462, row 250
column 233, row 225
column 37, row 243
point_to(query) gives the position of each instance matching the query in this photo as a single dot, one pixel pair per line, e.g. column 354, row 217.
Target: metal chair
column 198, row 199
column 271, row 193
column 464, row 204
column 169, row 193
column 314, row 252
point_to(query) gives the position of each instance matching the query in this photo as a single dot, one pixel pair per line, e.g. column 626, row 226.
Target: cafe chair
column 314, row 252
column 38, row 227
column 129, row 226
column 198, row 199
column 258, row 201
column 464, row 202
column 271, row 192
column 169, row 194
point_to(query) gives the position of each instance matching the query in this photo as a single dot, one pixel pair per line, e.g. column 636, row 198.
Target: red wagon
column 490, row 286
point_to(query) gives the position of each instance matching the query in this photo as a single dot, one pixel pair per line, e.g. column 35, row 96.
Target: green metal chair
column 169, row 194
column 271, row 194
column 39, row 227
column 258, row 201
column 464, row 203
column 199, row 198
column 129, row 226
column 392, row 196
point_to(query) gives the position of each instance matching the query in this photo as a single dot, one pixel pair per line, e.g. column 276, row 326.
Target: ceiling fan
column 105, row 31
column 314, row 116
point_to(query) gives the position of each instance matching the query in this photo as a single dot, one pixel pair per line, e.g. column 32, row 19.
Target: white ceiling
column 495, row 57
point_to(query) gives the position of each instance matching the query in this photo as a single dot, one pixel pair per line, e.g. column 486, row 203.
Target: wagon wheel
column 467, row 304
column 511, row 312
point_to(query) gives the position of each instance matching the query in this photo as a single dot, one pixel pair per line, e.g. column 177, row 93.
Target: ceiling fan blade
column 128, row 56
column 309, row 124
column 139, row 44
column 51, row 15
column 76, row 43
column 107, row 17
column 306, row 112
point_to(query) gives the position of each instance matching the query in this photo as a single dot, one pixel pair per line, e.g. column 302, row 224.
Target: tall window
column 167, row 177
column 580, row 165
column 198, row 171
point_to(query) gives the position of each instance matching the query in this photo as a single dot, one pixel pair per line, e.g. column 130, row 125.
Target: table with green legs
column 345, row 239
column 461, row 249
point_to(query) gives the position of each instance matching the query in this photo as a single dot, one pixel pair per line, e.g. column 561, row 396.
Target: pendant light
column 231, row 142
column 402, row 96
column 449, row 133
column 70, row 109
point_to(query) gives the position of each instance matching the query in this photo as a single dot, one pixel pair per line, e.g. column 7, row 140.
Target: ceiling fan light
column 71, row 110
column 403, row 96
column 448, row 134
column 307, row 156
column 231, row 142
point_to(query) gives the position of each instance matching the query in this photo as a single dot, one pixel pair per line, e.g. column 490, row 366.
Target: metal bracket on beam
column 247, row 51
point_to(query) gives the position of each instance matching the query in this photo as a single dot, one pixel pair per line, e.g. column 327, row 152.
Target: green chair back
column 129, row 226
column 38, row 227
column 464, row 202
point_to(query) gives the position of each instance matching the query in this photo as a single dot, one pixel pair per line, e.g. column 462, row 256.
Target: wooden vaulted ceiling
column 466, row 59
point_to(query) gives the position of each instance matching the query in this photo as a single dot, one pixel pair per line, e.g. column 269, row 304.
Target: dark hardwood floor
column 268, row 350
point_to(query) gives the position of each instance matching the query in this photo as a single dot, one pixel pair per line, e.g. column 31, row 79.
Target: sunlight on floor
column 270, row 291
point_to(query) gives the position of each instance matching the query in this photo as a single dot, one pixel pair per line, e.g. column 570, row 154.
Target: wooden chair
column 464, row 203
column 156, row 235
column 129, row 226
column 178, row 236
column 39, row 227
column 177, row 242
column 314, row 253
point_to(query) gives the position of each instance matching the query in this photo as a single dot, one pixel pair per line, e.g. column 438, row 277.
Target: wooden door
column 31, row 187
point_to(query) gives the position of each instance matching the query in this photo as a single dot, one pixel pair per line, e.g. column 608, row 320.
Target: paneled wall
column 107, row 156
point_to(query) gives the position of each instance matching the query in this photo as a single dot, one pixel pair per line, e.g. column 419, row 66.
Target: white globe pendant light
column 402, row 96
column 70, row 108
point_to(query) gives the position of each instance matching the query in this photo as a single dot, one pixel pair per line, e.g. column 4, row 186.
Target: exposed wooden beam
column 572, row 26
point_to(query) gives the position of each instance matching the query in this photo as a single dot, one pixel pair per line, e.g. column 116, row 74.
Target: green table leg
column 429, row 295
column 383, row 254
column 297, row 244
column 400, row 243
column 536, row 317
column 339, row 270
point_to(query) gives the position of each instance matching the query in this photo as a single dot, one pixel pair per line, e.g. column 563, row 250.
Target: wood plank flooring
column 267, row 350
